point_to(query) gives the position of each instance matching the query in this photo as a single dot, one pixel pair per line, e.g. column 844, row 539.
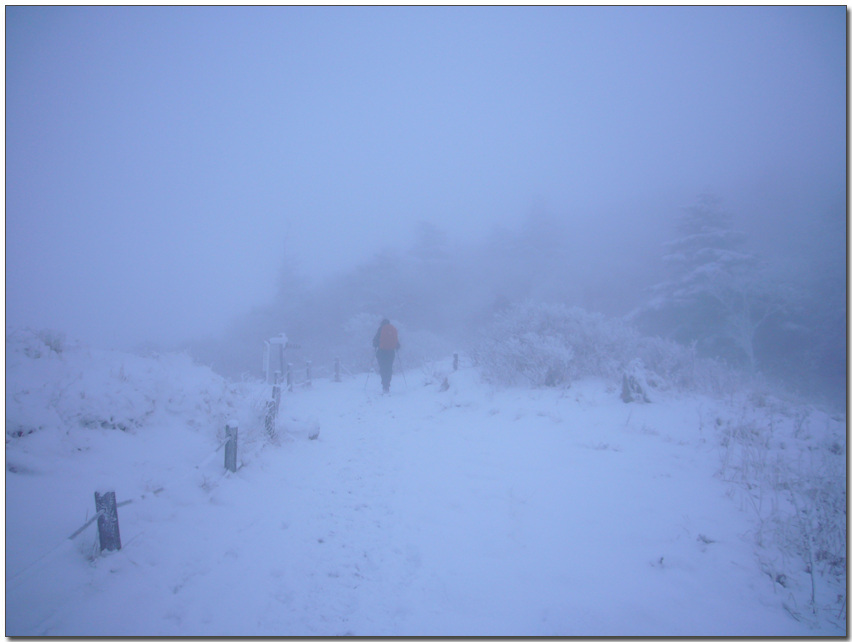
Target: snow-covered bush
column 528, row 344
column 552, row 344
column 38, row 343
column 678, row 367
column 77, row 387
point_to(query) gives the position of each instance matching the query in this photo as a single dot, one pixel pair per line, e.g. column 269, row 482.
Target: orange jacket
column 386, row 338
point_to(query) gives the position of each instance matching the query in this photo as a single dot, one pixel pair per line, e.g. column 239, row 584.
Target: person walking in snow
column 386, row 343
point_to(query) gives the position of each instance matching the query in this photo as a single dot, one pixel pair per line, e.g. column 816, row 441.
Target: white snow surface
column 432, row 511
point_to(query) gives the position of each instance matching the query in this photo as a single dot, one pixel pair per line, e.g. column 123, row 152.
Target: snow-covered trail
column 428, row 512
column 536, row 514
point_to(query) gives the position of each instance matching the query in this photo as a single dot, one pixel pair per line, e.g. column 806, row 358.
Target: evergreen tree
column 717, row 295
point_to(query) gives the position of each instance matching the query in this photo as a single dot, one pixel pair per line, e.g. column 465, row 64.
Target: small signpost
column 273, row 355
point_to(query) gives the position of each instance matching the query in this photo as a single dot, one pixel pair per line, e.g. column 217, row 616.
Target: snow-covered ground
column 446, row 508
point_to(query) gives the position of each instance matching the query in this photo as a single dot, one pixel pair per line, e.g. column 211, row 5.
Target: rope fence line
column 106, row 514
column 89, row 523
column 106, row 506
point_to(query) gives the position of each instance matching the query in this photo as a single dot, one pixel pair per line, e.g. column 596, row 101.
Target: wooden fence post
column 231, row 448
column 108, row 534
column 272, row 407
column 276, row 397
column 455, row 361
column 289, row 377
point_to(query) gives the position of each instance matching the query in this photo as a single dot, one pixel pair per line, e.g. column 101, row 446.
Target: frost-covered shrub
column 673, row 363
column 677, row 366
column 35, row 344
column 552, row 344
column 78, row 387
column 547, row 345
column 53, row 340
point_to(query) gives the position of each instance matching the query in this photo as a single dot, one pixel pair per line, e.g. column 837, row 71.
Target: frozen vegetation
column 517, row 495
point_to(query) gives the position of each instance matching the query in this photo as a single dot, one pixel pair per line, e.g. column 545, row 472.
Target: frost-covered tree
column 718, row 295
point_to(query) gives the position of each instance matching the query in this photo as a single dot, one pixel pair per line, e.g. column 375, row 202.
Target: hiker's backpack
column 389, row 340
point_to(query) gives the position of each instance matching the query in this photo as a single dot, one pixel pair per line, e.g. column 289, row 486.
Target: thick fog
column 190, row 176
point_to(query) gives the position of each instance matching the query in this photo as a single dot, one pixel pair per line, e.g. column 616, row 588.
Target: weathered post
column 108, row 534
column 308, row 372
column 337, row 370
column 289, row 377
column 272, row 406
column 231, row 448
column 276, row 392
column 455, row 361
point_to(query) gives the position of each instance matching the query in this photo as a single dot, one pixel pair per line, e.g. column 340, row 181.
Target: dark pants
column 385, row 358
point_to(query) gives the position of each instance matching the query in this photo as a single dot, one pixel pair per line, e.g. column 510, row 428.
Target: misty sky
column 161, row 161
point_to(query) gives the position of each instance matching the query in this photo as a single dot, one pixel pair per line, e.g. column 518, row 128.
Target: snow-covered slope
column 447, row 508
